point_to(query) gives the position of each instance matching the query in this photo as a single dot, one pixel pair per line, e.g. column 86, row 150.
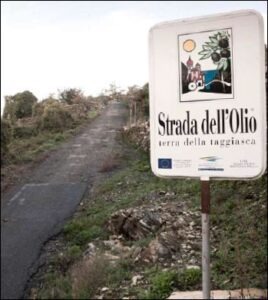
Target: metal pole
column 205, row 209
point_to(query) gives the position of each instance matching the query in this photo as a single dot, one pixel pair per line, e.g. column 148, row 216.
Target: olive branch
column 213, row 46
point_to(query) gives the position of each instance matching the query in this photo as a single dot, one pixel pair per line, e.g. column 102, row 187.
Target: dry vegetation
column 30, row 128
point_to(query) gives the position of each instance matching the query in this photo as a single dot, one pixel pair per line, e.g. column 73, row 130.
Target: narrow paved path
column 35, row 211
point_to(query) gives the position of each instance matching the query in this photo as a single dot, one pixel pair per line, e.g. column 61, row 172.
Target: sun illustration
column 189, row 45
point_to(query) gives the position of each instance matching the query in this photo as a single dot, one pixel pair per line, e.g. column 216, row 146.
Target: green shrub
column 19, row 106
column 56, row 119
column 6, row 136
column 24, row 132
column 162, row 285
column 71, row 96
column 39, row 107
column 189, row 279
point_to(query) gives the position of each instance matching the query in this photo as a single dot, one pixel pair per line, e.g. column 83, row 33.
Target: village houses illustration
column 195, row 76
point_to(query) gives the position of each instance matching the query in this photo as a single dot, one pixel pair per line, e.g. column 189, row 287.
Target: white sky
column 46, row 46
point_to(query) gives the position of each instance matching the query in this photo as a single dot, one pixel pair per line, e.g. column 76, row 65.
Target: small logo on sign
column 210, row 158
column 164, row 163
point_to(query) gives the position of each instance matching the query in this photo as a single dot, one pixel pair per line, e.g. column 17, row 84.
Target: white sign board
column 207, row 97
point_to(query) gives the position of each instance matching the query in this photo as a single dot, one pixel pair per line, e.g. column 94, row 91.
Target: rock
column 191, row 267
column 192, row 261
column 104, row 289
column 175, row 228
column 91, row 250
column 134, row 224
column 170, row 240
column 135, row 279
column 116, row 222
column 110, row 257
column 190, row 236
column 192, row 224
column 155, row 251
column 116, row 245
column 136, row 251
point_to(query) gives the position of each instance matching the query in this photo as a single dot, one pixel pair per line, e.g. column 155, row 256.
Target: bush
column 6, row 136
column 24, row 132
column 19, row 106
column 55, row 118
column 39, row 108
column 189, row 279
column 70, row 96
column 88, row 276
column 162, row 285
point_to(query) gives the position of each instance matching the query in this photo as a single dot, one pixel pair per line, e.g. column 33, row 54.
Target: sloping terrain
column 36, row 209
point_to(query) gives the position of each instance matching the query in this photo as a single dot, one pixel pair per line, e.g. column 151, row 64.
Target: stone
column 104, row 289
column 134, row 224
column 135, row 279
column 192, row 267
column 91, row 250
column 170, row 240
column 192, row 261
column 111, row 257
column 155, row 251
column 136, row 251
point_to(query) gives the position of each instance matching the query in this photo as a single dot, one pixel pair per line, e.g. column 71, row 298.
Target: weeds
column 161, row 284
column 189, row 279
column 88, row 276
column 240, row 218
column 109, row 164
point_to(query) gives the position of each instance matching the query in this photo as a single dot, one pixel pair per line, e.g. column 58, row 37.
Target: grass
column 241, row 217
column 238, row 211
column 27, row 148
column 162, row 283
column 30, row 149
column 24, row 150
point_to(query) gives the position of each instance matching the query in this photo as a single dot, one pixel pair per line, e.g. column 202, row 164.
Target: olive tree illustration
column 218, row 49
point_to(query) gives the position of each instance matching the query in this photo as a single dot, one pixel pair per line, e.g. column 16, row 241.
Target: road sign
column 207, row 97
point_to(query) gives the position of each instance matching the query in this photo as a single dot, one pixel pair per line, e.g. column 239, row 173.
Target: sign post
column 207, row 104
column 205, row 210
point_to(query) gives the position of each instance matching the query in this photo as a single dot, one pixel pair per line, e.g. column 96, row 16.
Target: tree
column 19, row 106
column 55, row 118
column 70, row 96
column 39, row 107
column 114, row 92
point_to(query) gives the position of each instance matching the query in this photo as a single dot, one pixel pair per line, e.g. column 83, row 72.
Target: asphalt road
column 35, row 211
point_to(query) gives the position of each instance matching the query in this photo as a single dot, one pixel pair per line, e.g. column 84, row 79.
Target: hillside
column 133, row 235
column 139, row 236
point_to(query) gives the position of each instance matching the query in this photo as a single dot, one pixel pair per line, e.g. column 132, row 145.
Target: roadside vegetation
column 81, row 268
column 29, row 128
column 240, row 259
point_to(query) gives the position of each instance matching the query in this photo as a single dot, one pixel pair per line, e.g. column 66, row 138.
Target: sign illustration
column 205, row 65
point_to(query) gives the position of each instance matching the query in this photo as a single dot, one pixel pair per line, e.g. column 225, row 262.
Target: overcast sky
column 46, row 46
